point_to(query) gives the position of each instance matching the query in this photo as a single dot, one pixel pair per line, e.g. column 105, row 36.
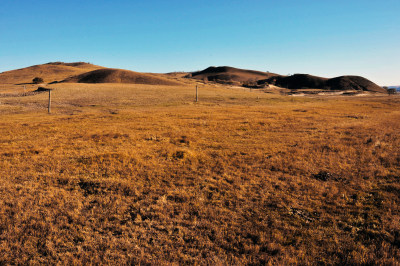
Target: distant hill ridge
column 230, row 75
column 74, row 64
column 304, row 81
column 82, row 72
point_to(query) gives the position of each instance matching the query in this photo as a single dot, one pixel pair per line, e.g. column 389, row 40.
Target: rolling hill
column 50, row 72
column 80, row 72
column 226, row 74
column 231, row 75
column 109, row 75
column 305, row 81
column 355, row 83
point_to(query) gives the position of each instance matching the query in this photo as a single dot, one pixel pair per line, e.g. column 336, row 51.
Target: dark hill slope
column 110, row 75
column 303, row 81
column 230, row 74
column 353, row 83
column 296, row 81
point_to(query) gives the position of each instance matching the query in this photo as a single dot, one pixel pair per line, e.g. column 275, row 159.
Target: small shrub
column 37, row 80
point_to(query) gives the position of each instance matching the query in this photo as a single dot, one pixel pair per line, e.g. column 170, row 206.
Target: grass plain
column 140, row 174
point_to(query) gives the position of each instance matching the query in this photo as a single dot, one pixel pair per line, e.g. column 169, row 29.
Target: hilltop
column 53, row 71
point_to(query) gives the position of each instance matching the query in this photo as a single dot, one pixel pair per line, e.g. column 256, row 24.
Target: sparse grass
column 140, row 174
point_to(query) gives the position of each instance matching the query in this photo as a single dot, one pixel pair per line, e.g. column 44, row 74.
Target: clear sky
column 320, row 37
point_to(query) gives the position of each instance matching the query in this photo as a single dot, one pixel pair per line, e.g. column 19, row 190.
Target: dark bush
column 37, row 80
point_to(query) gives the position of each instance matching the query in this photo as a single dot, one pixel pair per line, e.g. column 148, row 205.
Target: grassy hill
column 50, row 72
column 301, row 81
column 80, row 72
column 232, row 75
column 108, row 75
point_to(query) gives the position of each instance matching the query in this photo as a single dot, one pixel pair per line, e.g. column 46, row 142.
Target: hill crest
column 73, row 64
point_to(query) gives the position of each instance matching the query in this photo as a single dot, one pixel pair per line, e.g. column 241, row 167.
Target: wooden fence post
column 49, row 107
column 197, row 95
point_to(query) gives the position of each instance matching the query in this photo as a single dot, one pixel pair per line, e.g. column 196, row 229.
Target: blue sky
column 320, row 37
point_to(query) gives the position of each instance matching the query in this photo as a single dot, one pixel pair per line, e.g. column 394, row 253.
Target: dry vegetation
column 55, row 71
column 125, row 174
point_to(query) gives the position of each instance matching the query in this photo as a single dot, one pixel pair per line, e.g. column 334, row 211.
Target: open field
column 124, row 174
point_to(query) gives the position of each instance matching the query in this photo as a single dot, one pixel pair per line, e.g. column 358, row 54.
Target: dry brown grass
column 140, row 174
column 49, row 72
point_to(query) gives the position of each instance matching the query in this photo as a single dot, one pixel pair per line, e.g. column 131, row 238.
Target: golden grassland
column 121, row 174
column 49, row 72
